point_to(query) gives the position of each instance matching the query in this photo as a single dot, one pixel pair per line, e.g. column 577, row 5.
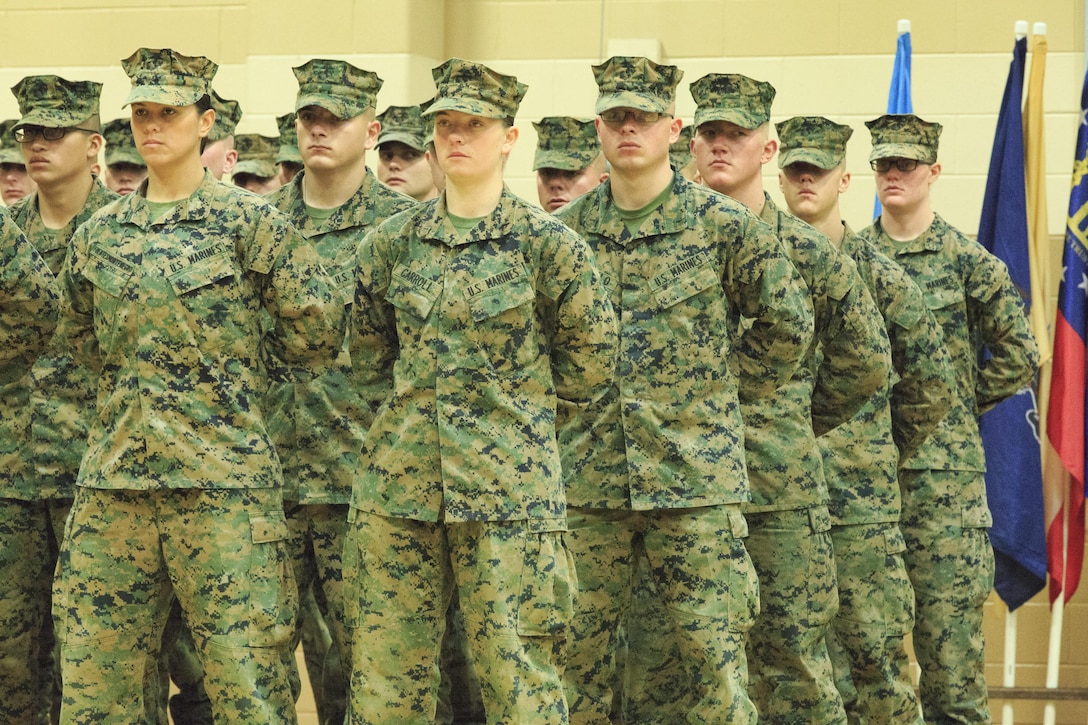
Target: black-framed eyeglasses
column 619, row 116
column 28, row 134
column 883, row 166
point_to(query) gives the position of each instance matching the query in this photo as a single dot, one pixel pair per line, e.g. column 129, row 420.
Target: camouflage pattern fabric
column 288, row 150
column 227, row 116
column 337, row 86
column 951, row 567
column 680, row 150
column 55, row 102
column 319, row 423
column 168, row 77
column 515, row 580
column 848, row 363
column 460, row 695
column 473, row 88
column 126, row 550
column 201, row 277
column 45, row 416
column 867, row 640
column 733, row 98
column 565, row 143
column 30, row 535
column 671, row 435
column 812, row 140
column 944, row 495
column 494, row 329
column 682, row 281
column 974, row 301
column 861, row 458
column 10, row 151
column 404, row 124
column 904, row 136
column 704, row 577
column 256, row 154
column 120, row 145
column 635, row 82
column 469, row 344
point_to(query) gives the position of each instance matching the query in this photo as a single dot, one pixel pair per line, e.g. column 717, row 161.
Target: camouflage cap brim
column 124, row 156
column 403, row 137
column 176, row 96
column 12, row 156
column 256, row 167
column 631, row 99
column 289, row 154
column 820, row 158
column 51, row 118
column 471, row 106
column 737, row 116
column 919, row 152
column 338, row 106
column 563, row 160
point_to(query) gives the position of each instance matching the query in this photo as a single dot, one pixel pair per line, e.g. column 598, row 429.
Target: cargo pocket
column 546, row 604
column 273, row 596
column 898, row 592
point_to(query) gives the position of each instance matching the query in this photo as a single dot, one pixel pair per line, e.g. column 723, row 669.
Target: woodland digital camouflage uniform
column 944, row 497
column 47, row 411
column 28, row 316
column 319, row 424
column 663, row 473
column 180, row 485
column 469, row 343
column 846, row 362
column 861, row 458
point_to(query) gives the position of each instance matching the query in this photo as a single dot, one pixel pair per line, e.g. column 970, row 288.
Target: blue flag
column 1010, row 431
column 899, row 92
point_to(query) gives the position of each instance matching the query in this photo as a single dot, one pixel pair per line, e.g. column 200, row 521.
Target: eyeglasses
column 27, row 134
column 883, row 166
column 618, row 116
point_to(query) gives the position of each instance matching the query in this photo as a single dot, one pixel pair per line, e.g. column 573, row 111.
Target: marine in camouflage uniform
column 28, row 315
column 288, row 156
column 846, row 363
column 319, row 424
column 256, row 168
column 479, row 321
column 662, row 475
column 15, row 183
column 125, row 168
column 401, row 151
column 945, row 515
column 179, row 489
column 568, row 160
column 861, row 457
column 47, row 412
column 219, row 154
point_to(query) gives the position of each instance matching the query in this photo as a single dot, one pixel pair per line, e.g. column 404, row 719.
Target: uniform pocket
column 273, row 596
column 546, row 603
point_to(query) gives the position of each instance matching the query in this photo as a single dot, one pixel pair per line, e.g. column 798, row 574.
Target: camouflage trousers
column 951, row 567
column 316, row 546
column 790, row 671
column 30, row 532
column 515, row 582
column 223, row 553
column 459, row 696
column 698, row 564
column 867, row 637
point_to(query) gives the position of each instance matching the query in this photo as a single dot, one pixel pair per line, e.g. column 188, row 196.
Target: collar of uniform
column 360, row 211
column 675, row 215
column 134, row 208
column 931, row 240
column 24, row 211
column 499, row 223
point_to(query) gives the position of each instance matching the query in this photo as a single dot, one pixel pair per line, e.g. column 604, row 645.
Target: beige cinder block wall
column 830, row 58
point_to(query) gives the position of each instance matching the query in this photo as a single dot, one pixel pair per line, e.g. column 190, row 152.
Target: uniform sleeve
column 75, row 320
column 997, row 313
column 766, row 288
column 307, row 318
column 921, row 396
column 585, row 332
column 854, row 352
column 28, row 302
column 372, row 336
